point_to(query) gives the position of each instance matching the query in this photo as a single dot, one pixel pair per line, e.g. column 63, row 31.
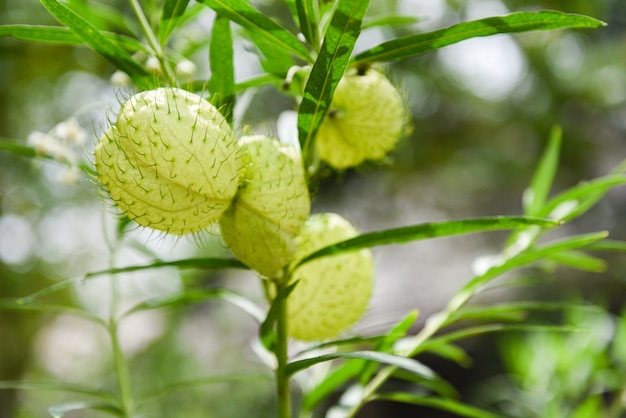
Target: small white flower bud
column 153, row 65
column 120, row 79
column 185, row 68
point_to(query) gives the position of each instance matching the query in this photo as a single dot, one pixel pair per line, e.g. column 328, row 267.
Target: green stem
column 154, row 43
column 121, row 369
column 432, row 326
column 283, row 393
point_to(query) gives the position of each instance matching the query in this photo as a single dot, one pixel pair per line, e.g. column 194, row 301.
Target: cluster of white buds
column 62, row 143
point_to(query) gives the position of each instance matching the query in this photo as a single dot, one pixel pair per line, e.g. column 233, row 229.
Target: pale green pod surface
column 170, row 161
column 270, row 207
column 333, row 292
column 366, row 119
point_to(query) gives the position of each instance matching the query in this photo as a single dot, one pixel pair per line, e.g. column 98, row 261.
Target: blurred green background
column 482, row 112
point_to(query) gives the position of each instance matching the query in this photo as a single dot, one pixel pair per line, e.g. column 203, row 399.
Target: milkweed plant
column 177, row 159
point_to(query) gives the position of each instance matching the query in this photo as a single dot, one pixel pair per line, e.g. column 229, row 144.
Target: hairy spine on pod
column 366, row 119
column 332, row 292
column 270, row 207
column 170, row 161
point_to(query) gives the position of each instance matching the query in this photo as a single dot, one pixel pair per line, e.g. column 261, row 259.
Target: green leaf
column 267, row 331
column 16, row 305
column 451, row 352
column 385, row 358
column 172, row 11
column 427, row 230
column 335, row 379
column 14, row 147
column 222, row 82
column 198, row 296
column 445, row 404
column 516, row 22
column 580, row 261
column 62, row 36
column 608, row 245
column 199, row 263
column 391, row 21
column 202, row 381
column 386, row 344
column 274, row 59
column 308, row 19
column 60, row 386
column 242, row 13
column 98, row 42
column 541, row 183
column 58, row 411
column 580, row 198
column 531, row 256
column 331, row 63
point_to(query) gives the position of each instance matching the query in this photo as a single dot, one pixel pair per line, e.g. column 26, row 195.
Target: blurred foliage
column 476, row 145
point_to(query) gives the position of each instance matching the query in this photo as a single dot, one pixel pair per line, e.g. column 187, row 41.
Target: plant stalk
column 283, row 394
column 154, row 43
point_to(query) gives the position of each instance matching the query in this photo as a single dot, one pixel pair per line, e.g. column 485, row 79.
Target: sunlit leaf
column 516, row 22
column 425, row 231
column 384, row 358
column 329, row 67
column 98, row 42
column 242, row 13
column 398, row 331
column 197, row 296
column 331, row 382
column 531, row 256
column 580, row 261
column 575, row 201
column 390, row 21
column 60, row 386
column 445, row 404
column 451, row 352
column 608, row 245
column 62, row 36
column 222, row 82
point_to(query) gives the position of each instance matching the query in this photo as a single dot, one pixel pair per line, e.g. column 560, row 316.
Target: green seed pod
column 170, row 161
column 270, row 207
column 365, row 120
column 332, row 292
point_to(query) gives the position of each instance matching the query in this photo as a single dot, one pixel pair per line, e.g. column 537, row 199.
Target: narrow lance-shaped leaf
column 16, row 148
column 222, row 83
column 541, row 183
column 59, row 411
column 445, row 404
column 516, row 22
column 267, row 331
column 331, row 63
column 200, row 263
column 242, row 13
column 172, row 11
column 577, row 200
column 386, row 345
column 98, row 42
column 530, row 256
column 308, row 20
column 199, row 296
column 384, row 358
column 427, row 230
column 60, row 35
